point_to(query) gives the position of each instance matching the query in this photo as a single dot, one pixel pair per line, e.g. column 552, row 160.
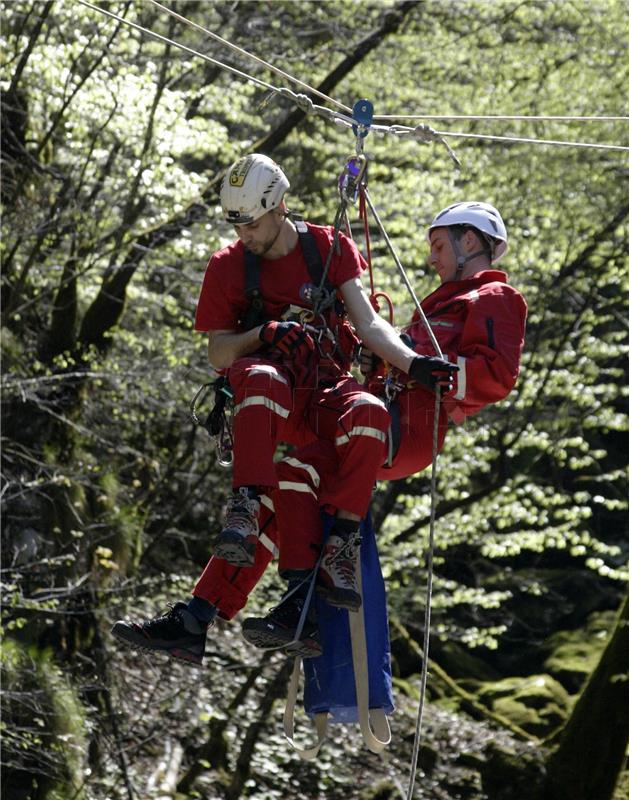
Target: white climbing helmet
column 482, row 216
column 252, row 186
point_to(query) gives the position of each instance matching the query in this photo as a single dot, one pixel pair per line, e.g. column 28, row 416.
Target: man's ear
column 471, row 240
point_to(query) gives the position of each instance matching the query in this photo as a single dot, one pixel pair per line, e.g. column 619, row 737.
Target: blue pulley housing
column 363, row 114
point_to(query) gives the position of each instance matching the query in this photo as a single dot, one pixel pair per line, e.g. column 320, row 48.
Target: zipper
column 490, row 331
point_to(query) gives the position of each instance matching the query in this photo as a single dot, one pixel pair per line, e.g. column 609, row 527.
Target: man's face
column 260, row 235
column 442, row 256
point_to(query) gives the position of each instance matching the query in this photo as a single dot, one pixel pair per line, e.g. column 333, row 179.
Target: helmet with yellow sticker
column 252, row 186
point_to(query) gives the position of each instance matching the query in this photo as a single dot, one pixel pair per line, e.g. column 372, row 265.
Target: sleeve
column 217, row 308
column 348, row 265
column 489, row 350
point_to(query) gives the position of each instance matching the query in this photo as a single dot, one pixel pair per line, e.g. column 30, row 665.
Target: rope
column 497, row 117
column 427, row 611
column 402, row 272
column 523, row 140
column 251, row 56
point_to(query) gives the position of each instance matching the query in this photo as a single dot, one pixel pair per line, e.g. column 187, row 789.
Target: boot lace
column 241, row 514
column 343, row 560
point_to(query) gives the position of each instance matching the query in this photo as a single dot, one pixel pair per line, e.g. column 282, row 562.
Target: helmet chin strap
column 461, row 259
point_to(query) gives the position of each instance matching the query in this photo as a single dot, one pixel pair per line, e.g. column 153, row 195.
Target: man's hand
column 431, row 372
column 368, row 361
column 287, row 337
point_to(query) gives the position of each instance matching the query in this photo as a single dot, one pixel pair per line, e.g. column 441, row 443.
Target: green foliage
column 44, row 726
column 113, row 145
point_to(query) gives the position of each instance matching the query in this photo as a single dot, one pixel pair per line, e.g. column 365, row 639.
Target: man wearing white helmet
column 277, row 306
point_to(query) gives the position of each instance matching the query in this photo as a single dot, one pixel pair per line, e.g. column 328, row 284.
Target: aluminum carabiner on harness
column 218, row 421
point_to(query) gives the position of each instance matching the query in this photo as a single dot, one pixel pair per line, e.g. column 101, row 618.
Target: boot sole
column 235, row 550
column 266, row 639
column 349, row 602
column 178, row 653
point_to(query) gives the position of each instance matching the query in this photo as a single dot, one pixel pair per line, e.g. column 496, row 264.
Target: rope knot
column 425, row 133
column 302, row 101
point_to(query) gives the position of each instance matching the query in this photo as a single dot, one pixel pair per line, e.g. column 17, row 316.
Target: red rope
column 373, row 296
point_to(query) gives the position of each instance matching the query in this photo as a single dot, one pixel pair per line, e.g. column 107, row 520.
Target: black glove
column 431, row 372
column 288, row 337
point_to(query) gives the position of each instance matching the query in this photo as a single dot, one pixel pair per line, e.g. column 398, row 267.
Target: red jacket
column 479, row 324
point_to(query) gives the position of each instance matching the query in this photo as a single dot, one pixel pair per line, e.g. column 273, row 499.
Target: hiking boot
column 179, row 634
column 237, row 541
column 277, row 630
column 337, row 579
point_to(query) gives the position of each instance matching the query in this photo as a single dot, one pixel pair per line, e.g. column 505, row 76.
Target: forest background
column 113, row 145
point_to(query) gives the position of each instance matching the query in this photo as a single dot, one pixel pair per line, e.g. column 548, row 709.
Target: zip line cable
column 422, row 132
column 498, row 117
column 519, row 139
column 253, row 57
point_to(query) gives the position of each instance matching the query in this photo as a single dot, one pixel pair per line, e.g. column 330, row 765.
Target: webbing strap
column 320, row 719
column 373, row 722
column 309, row 248
column 379, row 736
column 254, row 315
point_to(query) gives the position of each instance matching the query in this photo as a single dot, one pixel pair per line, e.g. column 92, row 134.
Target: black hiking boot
column 179, row 634
column 277, row 630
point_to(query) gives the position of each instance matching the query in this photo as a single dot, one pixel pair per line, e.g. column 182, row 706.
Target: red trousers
column 341, row 433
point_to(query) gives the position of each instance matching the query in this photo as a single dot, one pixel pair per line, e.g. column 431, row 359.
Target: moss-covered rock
column 510, row 775
column 44, row 727
column 459, row 662
column 573, row 655
column 537, row 704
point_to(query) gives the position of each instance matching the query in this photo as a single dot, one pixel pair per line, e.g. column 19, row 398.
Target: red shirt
column 222, row 303
column 479, row 324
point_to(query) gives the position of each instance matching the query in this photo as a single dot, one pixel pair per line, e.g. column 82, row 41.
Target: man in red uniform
column 277, row 305
column 479, row 322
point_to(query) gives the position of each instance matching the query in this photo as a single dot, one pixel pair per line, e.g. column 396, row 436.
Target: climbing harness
column 218, row 421
column 322, row 316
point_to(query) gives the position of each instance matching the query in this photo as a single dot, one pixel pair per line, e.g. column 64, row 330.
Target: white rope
column 497, row 117
column 253, row 57
column 522, row 140
column 427, row 611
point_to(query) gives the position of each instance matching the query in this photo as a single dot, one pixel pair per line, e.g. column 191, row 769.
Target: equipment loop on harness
column 217, row 423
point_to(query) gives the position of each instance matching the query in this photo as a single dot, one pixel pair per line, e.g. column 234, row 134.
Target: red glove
column 287, row 337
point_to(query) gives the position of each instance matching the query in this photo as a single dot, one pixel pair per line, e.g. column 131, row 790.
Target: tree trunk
column 591, row 750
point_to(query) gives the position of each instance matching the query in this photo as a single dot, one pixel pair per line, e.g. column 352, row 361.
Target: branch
column 243, row 765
